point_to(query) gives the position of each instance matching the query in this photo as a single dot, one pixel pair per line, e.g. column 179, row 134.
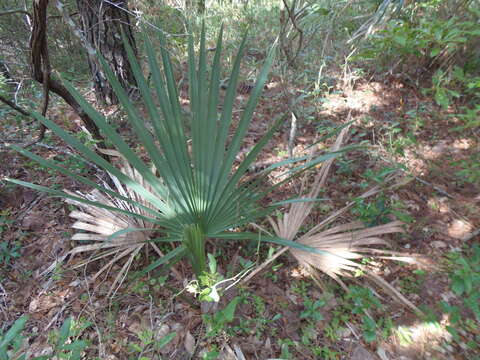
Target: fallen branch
column 435, row 187
column 14, row 106
column 16, row 11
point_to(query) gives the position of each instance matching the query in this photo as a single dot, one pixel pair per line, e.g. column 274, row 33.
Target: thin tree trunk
column 40, row 66
column 201, row 6
column 103, row 22
column 39, row 56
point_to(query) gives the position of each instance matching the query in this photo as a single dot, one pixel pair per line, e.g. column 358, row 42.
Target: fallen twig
column 14, row 106
column 436, row 188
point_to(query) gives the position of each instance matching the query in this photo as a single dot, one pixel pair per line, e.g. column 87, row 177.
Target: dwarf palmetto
column 192, row 190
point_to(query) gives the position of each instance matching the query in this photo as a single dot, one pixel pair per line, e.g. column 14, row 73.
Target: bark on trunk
column 40, row 66
column 102, row 24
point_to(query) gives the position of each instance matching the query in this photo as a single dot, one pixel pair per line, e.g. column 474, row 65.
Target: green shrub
column 470, row 169
column 65, row 345
column 434, row 45
column 421, row 36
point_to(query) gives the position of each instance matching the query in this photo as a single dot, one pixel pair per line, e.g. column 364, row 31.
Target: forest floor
column 283, row 314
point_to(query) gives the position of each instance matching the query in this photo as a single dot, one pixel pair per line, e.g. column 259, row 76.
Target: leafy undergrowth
column 280, row 313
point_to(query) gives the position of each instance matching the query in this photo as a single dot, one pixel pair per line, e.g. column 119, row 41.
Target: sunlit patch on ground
column 422, row 338
column 361, row 100
column 459, row 229
column 439, row 204
column 443, row 148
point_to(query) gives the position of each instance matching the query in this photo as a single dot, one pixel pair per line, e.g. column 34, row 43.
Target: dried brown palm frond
column 110, row 233
column 340, row 248
column 288, row 226
column 344, row 246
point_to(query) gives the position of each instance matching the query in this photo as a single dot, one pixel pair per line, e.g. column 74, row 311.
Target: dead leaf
column 227, row 353
column 438, row 244
column 44, row 303
column 35, row 221
column 459, row 228
column 238, row 352
column 360, row 353
column 189, row 343
column 135, row 327
column 163, row 331
column 291, row 322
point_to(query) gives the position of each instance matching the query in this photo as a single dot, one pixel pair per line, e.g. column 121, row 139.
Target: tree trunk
column 201, row 7
column 102, row 25
column 40, row 67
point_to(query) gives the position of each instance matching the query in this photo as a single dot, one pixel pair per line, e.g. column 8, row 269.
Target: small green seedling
column 216, row 322
column 312, row 310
